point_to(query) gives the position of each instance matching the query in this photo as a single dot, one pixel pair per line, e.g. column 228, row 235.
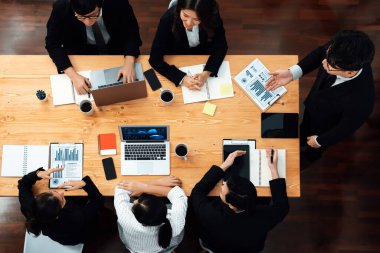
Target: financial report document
column 68, row 156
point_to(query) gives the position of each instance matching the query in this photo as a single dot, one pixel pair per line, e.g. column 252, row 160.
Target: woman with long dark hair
column 191, row 27
column 50, row 214
column 146, row 225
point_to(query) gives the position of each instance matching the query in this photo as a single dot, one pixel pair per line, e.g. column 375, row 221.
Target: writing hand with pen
column 272, row 158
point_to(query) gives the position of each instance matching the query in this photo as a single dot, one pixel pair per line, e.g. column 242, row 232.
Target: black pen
column 271, row 155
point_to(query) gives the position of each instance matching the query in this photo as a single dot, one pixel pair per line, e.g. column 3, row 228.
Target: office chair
column 43, row 244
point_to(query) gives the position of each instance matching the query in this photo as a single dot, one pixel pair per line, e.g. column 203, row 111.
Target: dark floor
column 339, row 210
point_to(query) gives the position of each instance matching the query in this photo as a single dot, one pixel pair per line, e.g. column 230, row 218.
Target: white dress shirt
column 193, row 36
column 139, row 238
column 103, row 30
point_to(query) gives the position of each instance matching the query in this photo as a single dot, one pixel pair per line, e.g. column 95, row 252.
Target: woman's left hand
column 73, row 184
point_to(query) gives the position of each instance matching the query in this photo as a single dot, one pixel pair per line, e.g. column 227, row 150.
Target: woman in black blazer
column 63, row 221
column 192, row 27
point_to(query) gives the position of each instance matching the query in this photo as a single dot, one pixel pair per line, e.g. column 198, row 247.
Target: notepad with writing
column 107, row 144
column 214, row 88
column 260, row 174
column 19, row 160
column 63, row 90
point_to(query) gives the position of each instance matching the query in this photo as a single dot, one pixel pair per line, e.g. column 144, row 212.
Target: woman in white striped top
column 147, row 225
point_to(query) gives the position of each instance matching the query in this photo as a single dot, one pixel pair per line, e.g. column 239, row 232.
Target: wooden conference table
column 26, row 121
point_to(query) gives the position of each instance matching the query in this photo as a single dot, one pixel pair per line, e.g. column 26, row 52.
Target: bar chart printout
column 68, row 156
column 252, row 80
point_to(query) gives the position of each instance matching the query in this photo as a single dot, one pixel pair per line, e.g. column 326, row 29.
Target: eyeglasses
column 83, row 17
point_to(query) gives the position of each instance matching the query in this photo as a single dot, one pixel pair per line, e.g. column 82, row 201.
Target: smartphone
column 109, row 168
column 153, row 81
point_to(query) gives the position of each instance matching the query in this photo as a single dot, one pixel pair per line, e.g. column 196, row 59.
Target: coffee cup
column 167, row 96
column 181, row 151
column 86, row 107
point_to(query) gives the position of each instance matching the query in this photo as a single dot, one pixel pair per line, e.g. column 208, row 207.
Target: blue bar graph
column 66, row 154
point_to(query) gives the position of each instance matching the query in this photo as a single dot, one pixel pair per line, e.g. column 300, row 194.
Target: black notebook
column 241, row 163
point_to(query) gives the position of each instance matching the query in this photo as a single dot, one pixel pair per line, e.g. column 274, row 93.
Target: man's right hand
column 279, row 78
column 81, row 84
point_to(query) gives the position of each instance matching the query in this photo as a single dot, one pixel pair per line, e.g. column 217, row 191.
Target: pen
column 271, row 155
column 89, row 95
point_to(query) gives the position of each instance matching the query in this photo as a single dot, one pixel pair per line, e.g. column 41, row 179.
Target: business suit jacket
column 75, row 224
column 336, row 112
column 223, row 230
column 166, row 43
column 67, row 35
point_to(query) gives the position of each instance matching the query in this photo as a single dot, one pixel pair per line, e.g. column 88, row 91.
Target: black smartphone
column 279, row 125
column 152, row 79
column 109, row 168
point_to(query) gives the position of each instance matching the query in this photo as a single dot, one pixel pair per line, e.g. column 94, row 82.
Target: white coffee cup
column 167, row 96
column 86, row 107
column 181, row 151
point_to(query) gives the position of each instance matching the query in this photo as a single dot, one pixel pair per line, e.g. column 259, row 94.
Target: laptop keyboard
column 109, row 85
column 145, row 152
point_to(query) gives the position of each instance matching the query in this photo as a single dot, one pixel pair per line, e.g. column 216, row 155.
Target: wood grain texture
column 26, row 121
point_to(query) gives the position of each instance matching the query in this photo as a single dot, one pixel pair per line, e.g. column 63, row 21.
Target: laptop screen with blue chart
column 145, row 150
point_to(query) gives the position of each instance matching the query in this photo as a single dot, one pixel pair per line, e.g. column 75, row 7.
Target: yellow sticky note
column 209, row 109
column 226, row 89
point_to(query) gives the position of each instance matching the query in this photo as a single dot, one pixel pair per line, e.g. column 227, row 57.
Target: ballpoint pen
column 271, row 155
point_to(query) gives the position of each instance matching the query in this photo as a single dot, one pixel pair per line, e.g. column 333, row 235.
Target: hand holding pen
column 272, row 161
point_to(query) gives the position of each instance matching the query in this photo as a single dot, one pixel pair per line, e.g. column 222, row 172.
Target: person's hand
column 279, row 78
column 136, row 188
column 169, row 181
column 81, row 84
column 312, row 141
column 272, row 165
column 73, row 184
column 231, row 158
column 127, row 71
column 202, row 77
column 191, row 83
column 45, row 174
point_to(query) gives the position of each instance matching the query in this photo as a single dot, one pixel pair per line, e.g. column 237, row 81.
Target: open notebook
column 214, row 88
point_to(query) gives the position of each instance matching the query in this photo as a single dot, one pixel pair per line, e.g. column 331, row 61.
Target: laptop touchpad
column 145, row 167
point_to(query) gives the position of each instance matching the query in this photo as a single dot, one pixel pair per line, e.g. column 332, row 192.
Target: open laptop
column 145, row 150
column 106, row 89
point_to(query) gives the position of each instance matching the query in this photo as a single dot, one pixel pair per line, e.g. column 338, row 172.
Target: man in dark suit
column 92, row 27
column 233, row 222
column 343, row 94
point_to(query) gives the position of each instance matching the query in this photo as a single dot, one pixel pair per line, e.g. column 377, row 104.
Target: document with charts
column 63, row 91
column 214, row 88
column 252, row 80
column 68, row 156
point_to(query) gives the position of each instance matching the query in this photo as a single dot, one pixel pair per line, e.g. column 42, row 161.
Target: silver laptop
column 106, row 89
column 145, row 150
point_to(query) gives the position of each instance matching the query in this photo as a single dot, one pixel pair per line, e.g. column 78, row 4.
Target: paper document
column 63, row 90
column 68, row 156
column 19, row 160
column 252, row 80
column 214, row 88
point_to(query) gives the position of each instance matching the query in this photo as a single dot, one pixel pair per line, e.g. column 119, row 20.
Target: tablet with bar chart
column 252, row 80
column 68, row 156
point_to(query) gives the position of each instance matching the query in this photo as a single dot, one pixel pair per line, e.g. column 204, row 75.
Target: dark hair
column 206, row 10
column 151, row 211
column 350, row 50
column 46, row 210
column 83, row 7
column 242, row 193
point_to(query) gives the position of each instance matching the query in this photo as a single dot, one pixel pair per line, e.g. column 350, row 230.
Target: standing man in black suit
column 92, row 27
column 343, row 94
column 191, row 27
column 233, row 222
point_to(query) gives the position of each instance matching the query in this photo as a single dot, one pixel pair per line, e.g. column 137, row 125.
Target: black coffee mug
column 181, row 150
column 85, row 106
column 167, row 96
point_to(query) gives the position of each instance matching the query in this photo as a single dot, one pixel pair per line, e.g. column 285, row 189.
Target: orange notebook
column 107, row 144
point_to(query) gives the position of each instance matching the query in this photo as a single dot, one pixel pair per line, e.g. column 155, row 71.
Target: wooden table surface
column 26, row 121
